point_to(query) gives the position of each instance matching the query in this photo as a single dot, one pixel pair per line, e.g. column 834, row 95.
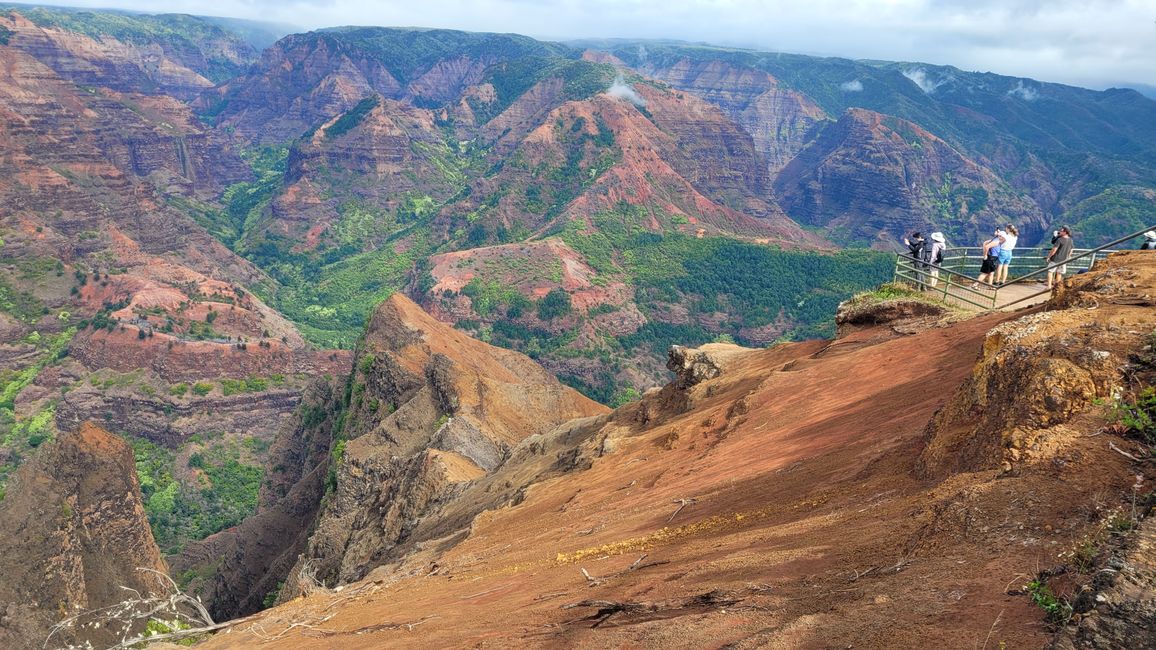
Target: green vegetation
column 19, row 304
column 407, row 52
column 20, row 436
column 12, row 382
column 890, row 291
column 271, row 597
column 1138, row 416
column 754, row 285
column 554, row 304
column 353, row 117
column 221, row 493
column 247, row 385
column 795, row 293
column 198, row 42
column 1056, row 610
column 488, row 296
column 1111, row 214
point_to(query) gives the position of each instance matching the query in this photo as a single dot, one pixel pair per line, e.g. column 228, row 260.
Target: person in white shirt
column 1010, row 237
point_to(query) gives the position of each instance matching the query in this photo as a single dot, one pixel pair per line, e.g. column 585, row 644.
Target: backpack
column 933, row 252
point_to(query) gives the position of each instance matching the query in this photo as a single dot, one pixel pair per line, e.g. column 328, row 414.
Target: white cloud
column 622, row 90
column 853, row 86
column 1025, row 93
column 919, row 77
column 1084, row 42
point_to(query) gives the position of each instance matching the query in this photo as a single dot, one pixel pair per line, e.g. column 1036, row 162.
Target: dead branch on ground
column 682, row 503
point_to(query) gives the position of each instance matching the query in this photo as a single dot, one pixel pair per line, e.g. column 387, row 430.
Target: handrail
column 1093, row 251
column 905, row 262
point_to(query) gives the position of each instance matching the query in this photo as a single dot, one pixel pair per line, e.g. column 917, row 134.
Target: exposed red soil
column 804, row 523
column 177, row 360
column 534, row 268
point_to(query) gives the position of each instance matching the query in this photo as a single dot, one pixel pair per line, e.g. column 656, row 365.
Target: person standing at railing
column 990, row 266
column 915, row 248
column 914, row 245
column 933, row 257
column 1008, row 243
column 1149, row 241
column 1059, row 255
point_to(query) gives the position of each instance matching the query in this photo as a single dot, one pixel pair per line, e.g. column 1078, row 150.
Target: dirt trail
column 782, row 509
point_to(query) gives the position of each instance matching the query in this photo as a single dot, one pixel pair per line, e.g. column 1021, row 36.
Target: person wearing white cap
column 1149, row 241
column 933, row 257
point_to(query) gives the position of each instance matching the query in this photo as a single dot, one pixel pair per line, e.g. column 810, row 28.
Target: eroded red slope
column 781, row 504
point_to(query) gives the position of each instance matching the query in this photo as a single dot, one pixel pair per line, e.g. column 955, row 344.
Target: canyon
column 352, row 324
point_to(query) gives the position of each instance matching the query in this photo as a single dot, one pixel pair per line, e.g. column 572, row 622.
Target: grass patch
column 223, row 493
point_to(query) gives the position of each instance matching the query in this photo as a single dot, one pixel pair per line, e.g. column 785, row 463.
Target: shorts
column 989, row 265
column 1061, row 269
column 1004, row 257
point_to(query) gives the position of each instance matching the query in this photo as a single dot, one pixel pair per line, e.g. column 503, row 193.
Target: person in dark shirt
column 915, row 245
column 1058, row 257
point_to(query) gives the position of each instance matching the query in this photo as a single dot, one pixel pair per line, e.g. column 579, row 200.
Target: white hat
column 937, row 236
column 1151, row 234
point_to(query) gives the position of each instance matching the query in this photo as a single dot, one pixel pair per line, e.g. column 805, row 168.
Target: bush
column 554, row 305
column 1139, row 416
column 202, row 388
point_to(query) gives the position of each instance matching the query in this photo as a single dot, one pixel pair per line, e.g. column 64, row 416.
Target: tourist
column 1011, row 236
column 933, row 257
column 914, row 245
column 1149, row 241
column 990, row 265
column 1058, row 257
column 915, row 249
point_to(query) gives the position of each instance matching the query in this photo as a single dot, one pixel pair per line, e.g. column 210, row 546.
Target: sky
column 1091, row 43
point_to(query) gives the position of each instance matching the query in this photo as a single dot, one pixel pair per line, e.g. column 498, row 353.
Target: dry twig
column 1125, row 454
column 682, row 503
column 992, row 629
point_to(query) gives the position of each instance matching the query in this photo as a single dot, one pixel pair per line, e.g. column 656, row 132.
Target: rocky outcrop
column 242, row 569
column 1122, row 612
column 124, row 350
column 875, row 177
column 777, row 118
column 304, row 80
column 171, row 421
column 1040, row 372
column 854, row 315
column 694, row 366
column 75, row 535
column 109, row 62
column 429, row 411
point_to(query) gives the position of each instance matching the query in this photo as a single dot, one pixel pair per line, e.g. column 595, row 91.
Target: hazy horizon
column 1095, row 43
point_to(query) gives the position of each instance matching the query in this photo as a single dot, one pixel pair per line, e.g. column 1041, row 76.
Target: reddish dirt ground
column 782, row 510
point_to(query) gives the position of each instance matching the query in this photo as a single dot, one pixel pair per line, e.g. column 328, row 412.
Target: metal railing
column 967, row 260
column 936, row 279
column 986, row 297
column 1090, row 255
